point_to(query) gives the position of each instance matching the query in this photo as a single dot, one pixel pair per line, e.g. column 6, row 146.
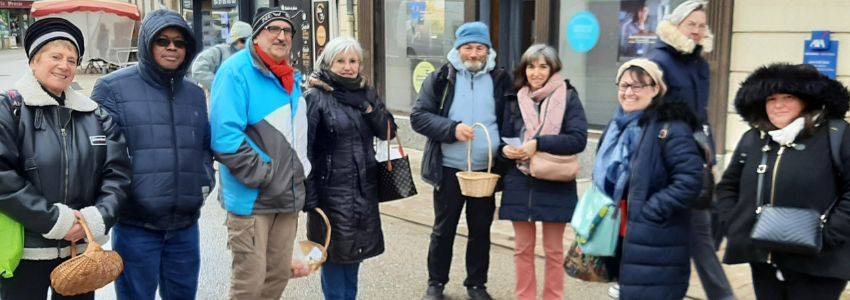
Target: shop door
column 512, row 30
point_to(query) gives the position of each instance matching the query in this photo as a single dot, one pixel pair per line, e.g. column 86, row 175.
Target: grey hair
column 549, row 54
column 337, row 46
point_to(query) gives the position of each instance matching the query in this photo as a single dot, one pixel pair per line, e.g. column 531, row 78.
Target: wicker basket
column 478, row 184
column 85, row 273
column 308, row 246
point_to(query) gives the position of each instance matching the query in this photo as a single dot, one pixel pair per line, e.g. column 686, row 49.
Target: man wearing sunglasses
column 207, row 63
column 164, row 118
column 259, row 135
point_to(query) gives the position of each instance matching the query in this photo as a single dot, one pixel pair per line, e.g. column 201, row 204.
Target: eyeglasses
column 164, row 42
column 277, row 29
column 637, row 87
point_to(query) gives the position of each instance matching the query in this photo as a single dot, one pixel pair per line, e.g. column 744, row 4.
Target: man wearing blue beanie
column 466, row 91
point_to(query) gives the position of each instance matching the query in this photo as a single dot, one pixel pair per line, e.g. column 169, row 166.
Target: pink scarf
column 555, row 90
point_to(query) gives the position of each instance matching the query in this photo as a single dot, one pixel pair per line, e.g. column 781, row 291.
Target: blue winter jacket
column 525, row 198
column 259, row 134
column 662, row 185
column 164, row 118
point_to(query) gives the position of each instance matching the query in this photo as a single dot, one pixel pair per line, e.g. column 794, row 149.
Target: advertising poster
column 321, row 26
column 638, row 20
column 301, row 12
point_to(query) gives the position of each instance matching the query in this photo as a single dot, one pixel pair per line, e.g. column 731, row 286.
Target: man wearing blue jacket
column 259, row 135
column 164, row 118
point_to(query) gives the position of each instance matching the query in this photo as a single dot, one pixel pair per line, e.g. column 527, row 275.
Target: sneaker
column 434, row 292
column 478, row 293
column 614, row 291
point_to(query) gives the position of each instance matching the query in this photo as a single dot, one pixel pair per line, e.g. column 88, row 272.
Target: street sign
column 16, row 4
column 822, row 53
column 224, row 3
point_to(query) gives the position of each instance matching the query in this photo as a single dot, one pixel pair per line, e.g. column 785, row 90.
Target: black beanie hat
column 45, row 30
column 266, row 15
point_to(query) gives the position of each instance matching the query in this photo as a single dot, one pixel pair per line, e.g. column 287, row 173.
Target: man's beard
column 473, row 65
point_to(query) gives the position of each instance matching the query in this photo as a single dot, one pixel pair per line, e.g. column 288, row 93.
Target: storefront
column 14, row 20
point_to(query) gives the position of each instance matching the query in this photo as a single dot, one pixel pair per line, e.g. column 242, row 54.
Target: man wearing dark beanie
column 259, row 135
column 164, row 117
column 468, row 90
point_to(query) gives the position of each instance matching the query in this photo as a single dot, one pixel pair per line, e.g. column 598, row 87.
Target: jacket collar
column 34, row 95
column 669, row 34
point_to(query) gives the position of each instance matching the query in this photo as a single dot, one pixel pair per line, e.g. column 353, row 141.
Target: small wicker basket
column 308, row 246
column 478, row 184
column 85, row 273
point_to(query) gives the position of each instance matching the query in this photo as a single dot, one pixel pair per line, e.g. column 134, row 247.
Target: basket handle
column 489, row 149
column 327, row 225
column 93, row 245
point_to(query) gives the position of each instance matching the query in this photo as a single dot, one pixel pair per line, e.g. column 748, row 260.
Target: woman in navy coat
column 525, row 199
column 649, row 161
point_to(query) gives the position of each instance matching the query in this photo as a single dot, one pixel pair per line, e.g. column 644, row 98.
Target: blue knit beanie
column 475, row 32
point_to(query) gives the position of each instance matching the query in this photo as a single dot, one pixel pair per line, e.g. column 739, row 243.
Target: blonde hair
column 56, row 43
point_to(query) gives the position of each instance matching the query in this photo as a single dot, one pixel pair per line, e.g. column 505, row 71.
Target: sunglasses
column 164, row 42
column 277, row 29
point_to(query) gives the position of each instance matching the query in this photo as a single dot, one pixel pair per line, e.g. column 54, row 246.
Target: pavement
column 400, row 273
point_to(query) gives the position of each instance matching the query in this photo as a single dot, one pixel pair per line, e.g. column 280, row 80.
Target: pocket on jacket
column 31, row 168
column 240, row 233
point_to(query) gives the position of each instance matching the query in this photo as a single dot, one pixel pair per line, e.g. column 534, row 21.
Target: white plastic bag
column 381, row 151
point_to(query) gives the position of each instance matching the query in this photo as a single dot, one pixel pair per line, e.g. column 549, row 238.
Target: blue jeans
column 170, row 259
column 339, row 281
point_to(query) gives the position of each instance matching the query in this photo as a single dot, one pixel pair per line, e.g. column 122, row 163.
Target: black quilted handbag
column 786, row 229
column 395, row 180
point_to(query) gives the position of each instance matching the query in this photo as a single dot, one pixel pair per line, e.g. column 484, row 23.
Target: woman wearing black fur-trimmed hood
column 794, row 149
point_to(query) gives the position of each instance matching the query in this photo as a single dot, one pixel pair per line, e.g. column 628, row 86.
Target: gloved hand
column 356, row 99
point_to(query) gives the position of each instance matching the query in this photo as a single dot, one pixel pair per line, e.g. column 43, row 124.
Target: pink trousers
column 553, row 246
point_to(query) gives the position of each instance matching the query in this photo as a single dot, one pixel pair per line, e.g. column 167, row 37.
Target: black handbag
column 395, row 180
column 786, row 229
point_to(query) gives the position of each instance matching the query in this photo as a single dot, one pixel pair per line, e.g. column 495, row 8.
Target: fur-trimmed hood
column 665, row 110
column 803, row 81
column 669, row 34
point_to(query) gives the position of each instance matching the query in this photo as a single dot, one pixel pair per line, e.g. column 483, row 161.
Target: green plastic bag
column 11, row 245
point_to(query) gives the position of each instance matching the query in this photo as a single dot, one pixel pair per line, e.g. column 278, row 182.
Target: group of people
column 137, row 159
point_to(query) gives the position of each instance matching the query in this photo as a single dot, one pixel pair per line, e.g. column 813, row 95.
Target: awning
column 50, row 7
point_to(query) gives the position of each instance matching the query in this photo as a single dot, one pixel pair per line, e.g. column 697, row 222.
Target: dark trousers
column 32, row 280
column 796, row 286
column 704, row 256
column 167, row 259
column 339, row 281
column 448, row 203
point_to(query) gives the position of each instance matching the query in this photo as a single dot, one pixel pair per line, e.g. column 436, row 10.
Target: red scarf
column 282, row 70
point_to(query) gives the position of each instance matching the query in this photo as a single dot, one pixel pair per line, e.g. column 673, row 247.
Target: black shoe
column 434, row 292
column 478, row 293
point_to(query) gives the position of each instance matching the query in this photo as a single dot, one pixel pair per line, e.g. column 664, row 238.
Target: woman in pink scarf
column 547, row 117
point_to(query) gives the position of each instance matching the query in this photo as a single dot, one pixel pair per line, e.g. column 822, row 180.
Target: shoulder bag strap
column 761, row 169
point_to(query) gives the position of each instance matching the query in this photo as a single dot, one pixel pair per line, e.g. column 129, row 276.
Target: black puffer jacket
column 46, row 172
column 431, row 111
column 344, row 178
column 803, row 175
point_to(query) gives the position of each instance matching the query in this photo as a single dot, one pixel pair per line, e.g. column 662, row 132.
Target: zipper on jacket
column 64, row 133
column 530, row 196
column 176, row 151
column 773, row 188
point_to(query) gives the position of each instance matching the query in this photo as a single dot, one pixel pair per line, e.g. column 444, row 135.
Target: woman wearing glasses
column 649, row 163
column 683, row 37
column 62, row 158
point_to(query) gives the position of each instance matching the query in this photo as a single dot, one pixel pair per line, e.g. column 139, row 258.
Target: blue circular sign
column 583, row 32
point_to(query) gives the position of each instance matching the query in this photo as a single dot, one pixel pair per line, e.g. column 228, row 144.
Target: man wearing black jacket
column 466, row 91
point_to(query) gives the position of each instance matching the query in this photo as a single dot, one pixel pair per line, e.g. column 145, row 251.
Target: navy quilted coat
column 164, row 118
column 662, row 185
column 525, row 198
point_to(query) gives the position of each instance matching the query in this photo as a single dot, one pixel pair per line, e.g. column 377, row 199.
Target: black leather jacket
column 48, row 170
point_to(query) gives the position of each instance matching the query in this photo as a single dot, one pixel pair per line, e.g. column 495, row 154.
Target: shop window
column 419, row 34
